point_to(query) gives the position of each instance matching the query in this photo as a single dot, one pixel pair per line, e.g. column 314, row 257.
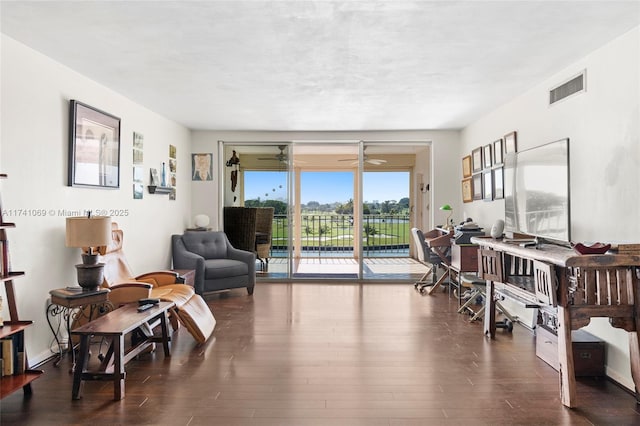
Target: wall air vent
column 571, row 87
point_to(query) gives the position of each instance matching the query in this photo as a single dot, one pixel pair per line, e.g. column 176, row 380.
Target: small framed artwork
column 154, row 178
column 202, row 166
column 138, row 153
column 487, row 185
column 466, row 166
column 498, row 155
column 138, row 184
column 486, row 156
column 476, row 160
column 510, row 143
column 94, row 147
column 467, row 190
column 498, row 183
column 476, row 186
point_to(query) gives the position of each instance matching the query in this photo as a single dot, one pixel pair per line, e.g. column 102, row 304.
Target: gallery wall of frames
column 482, row 170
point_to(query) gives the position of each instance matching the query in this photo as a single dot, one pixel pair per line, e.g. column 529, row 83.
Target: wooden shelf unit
column 10, row 384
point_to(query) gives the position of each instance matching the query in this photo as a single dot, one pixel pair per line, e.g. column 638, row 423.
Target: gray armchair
column 218, row 265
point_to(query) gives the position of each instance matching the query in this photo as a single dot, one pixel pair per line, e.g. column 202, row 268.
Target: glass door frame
column 293, row 188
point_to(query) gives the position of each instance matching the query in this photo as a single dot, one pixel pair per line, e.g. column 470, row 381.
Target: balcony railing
column 332, row 235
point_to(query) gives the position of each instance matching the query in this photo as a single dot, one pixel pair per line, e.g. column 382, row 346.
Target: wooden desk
column 464, row 257
column 585, row 286
column 115, row 325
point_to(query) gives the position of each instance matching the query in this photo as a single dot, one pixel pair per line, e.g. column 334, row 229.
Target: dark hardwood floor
column 329, row 354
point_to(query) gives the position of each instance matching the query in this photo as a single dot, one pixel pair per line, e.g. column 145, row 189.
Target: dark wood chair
column 490, row 269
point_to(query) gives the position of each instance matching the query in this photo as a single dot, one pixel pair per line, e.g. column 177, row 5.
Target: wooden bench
column 115, row 325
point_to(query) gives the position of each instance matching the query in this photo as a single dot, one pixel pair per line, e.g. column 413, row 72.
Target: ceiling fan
column 281, row 156
column 366, row 159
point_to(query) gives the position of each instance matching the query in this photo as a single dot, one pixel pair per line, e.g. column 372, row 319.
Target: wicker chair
column 250, row 229
column 240, row 227
column 264, row 229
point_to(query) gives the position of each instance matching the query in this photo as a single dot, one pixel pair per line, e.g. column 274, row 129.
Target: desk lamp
column 89, row 232
column 447, row 207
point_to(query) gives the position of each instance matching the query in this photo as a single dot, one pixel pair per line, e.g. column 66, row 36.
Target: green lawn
column 334, row 230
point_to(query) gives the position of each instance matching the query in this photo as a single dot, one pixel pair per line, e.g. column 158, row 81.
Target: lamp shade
column 446, row 207
column 88, row 232
column 201, row 221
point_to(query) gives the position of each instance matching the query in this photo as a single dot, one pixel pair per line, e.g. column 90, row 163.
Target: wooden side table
column 69, row 304
column 188, row 276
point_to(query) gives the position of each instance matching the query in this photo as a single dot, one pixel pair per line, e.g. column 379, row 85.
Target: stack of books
column 12, row 359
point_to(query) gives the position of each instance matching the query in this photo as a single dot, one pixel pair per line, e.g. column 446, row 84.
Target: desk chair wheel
column 509, row 325
column 506, row 324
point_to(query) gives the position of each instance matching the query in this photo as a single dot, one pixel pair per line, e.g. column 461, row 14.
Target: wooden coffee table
column 115, row 325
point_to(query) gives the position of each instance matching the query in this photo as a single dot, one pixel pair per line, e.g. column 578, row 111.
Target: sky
column 327, row 187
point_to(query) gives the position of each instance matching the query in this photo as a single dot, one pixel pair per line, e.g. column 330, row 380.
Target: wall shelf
column 159, row 189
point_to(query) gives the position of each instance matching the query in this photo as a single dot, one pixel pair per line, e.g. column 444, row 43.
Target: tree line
column 385, row 207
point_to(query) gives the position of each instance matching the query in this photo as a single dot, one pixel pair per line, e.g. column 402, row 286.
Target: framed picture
column 467, row 190
column 498, row 155
column 476, row 186
column 476, row 160
column 154, row 178
column 466, row 166
column 487, row 185
column 138, row 153
column 202, row 166
column 486, row 156
column 498, row 183
column 94, row 147
column 510, row 143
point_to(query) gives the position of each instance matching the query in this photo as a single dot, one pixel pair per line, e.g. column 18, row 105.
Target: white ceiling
column 318, row 65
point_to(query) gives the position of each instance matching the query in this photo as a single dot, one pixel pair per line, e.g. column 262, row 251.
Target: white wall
column 35, row 94
column 444, row 145
column 603, row 127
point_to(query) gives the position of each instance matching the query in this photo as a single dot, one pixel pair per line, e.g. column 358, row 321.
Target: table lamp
column 447, row 207
column 201, row 221
column 89, row 232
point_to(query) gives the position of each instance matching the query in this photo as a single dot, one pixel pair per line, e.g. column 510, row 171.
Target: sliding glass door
column 343, row 210
column 325, row 210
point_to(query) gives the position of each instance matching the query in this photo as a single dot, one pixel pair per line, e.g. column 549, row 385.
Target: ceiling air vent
column 571, row 87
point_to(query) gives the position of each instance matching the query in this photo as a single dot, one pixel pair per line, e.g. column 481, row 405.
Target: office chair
column 430, row 259
column 423, row 254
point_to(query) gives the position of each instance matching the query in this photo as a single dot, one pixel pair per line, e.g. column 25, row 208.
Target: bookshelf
column 13, row 330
